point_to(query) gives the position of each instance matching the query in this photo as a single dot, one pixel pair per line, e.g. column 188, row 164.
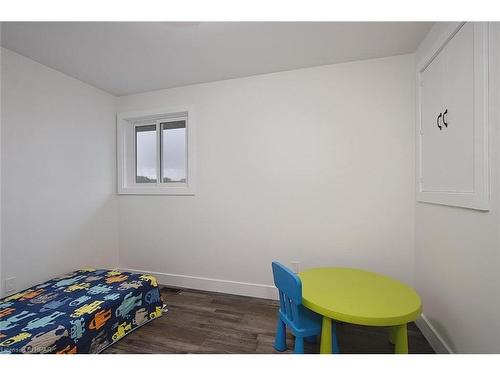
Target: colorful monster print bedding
column 83, row 312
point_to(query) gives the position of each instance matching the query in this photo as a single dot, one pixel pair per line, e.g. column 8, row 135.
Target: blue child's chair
column 304, row 323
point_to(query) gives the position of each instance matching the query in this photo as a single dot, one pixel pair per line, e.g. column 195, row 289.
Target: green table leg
column 399, row 336
column 326, row 336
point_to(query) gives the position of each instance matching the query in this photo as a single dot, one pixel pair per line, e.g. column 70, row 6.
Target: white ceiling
column 130, row 57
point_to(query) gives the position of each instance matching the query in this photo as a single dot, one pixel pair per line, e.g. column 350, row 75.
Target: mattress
column 83, row 312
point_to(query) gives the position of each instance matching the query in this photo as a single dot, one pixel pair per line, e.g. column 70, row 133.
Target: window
column 173, row 146
column 156, row 152
column 172, row 164
column 145, row 154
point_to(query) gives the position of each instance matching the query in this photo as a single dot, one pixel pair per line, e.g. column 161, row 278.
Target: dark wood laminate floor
column 206, row 322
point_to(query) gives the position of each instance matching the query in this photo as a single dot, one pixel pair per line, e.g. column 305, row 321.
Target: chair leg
column 299, row 345
column 335, row 341
column 280, row 339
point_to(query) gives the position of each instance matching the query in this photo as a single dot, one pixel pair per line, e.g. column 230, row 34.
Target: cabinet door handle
column 439, row 126
column 444, row 119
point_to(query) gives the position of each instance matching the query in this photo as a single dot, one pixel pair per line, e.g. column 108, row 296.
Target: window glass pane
column 173, row 146
column 145, row 146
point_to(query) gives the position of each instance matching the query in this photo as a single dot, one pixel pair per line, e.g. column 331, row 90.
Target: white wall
column 58, row 173
column 313, row 165
column 309, row 165
column 457, row 261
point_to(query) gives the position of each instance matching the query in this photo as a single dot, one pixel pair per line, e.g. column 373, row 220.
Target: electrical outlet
column 295, row 266
column 10, row 285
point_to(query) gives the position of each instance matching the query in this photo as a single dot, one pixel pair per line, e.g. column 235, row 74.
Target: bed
column 82, row 312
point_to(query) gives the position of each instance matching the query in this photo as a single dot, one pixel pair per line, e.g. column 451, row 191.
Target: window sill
column 156, row 190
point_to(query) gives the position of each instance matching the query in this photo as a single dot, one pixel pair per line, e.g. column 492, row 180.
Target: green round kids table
column 360, row 297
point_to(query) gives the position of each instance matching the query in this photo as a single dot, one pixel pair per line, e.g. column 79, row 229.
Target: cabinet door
column 448, row 90
column 453, row 160
column 459, row 105
column 432, row 96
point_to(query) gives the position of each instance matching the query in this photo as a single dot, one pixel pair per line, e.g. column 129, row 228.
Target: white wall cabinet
column 452, row 118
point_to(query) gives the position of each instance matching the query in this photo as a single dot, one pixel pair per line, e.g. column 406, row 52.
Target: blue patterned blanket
column 83, row 312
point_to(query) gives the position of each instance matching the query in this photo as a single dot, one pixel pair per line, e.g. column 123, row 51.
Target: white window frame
column 126, row 151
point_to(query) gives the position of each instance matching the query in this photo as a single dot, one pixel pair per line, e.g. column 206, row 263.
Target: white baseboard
column 433, row 337
column 212, row 285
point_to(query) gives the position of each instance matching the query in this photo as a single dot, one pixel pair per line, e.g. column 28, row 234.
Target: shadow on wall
column 97, row 237
column 86, row 236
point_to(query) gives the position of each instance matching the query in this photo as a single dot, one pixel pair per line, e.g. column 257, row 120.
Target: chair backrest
column 290, row 291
